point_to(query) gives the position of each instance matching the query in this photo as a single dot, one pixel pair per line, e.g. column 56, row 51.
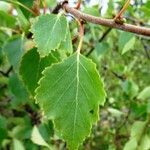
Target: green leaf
column 145, row 9
column 92, row 10
column 115, row 112
column 3, row 38
column 32, row 66
column 23, row 21
column 37, row 138
column 101, row 48
column 130, row 88
column 3, row 122
column 145, row 143
column 51, row 3
column 4, row 6
column 48, row 32
column 20, row 94
column 148, row 107
column 145, row 94
column 126, row 42
column 3, row 128
column 138, row 141
column 67, row 44
column 28, row 4
column 18, row 145
column 70, row 93
column 7, row 20
column 137, row 129
column 46, row 129
column 14, row 49
column 131, row 145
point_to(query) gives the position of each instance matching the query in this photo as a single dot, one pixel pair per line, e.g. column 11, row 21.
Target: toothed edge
column 32, row 30
column 21, row 75
column 94, row 121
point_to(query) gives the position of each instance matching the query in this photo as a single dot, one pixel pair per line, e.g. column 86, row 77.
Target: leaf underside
column 14, row 49
column 70, row 93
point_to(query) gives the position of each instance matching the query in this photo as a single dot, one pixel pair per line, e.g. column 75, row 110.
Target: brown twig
column 59, row 6
column 107, row 22
column 44, row 7
column 78, row 4
column 36, row 7
column 81, row 34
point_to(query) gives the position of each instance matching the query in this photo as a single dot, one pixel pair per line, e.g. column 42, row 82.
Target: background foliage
column 123, row 60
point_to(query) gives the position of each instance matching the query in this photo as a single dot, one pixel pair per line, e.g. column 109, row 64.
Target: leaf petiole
column 81, row 34
column 118, row 16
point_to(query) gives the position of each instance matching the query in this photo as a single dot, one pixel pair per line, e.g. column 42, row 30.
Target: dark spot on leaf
column 92, row 111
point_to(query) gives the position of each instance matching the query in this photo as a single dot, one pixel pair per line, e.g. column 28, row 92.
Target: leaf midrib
column 77, row 91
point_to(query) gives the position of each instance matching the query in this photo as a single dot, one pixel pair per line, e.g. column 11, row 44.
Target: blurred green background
column 123, row 60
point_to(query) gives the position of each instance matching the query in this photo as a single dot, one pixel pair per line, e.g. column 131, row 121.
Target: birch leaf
column 67, row 44
column 32, row 66
column 37, row 138
column 48, row 32
column 70, row 93
column 14, row 49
